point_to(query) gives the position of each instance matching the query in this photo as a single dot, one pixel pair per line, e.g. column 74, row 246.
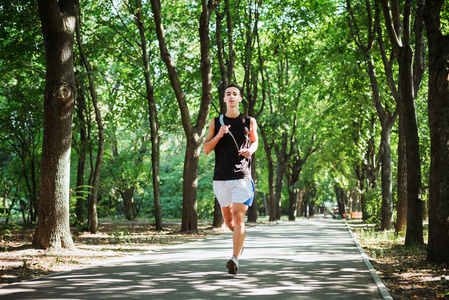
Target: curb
column 380, row 285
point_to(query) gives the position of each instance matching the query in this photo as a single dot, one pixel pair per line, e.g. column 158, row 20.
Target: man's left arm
column 254, row 139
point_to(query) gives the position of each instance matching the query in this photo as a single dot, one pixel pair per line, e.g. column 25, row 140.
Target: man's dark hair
column 233, row 85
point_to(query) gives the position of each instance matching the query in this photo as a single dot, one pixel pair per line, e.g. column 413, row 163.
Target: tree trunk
column 387, row 181
column 414, row 234
column 311, row 209
column 401, row 206
column 98, row 119
column 363, row 188
column 82, row 152
column 281, row 163
column 270, row 165
column 438, row 104
column 278, row 190
column 273, row 203
column 128, row 203
column 292, row 200
column 300, row 203
column 254, row 208
column 190, row 186
column 340, row 194
column 35, row 191
column 305, row 202
column 58, row 27
column 411, row 66
column 154, row 123
column 292, row 179
column 218, row 215
column 28, row 158
column 266, row 204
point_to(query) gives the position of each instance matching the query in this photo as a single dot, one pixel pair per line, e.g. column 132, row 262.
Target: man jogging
column 233, row 137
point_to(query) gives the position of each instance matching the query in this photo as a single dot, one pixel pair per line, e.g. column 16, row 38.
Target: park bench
column 356, row 215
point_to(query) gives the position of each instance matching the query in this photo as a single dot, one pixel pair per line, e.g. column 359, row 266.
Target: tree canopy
column 323, row 79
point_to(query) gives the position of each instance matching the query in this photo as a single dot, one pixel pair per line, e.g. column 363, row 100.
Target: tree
column 293, row 172
column 194, row 133
column 93, row 195
column 154, row 123
column 438, row 103
column 58, row 20
column 410, row 74
column 124, row 36
column 81, row 148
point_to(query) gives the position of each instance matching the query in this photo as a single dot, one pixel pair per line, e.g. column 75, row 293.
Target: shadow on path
column 306, row 259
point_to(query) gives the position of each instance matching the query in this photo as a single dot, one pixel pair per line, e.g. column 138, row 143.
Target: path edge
column 380, row 285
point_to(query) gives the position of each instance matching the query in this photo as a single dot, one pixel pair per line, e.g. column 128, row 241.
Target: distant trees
column 387, row 112
column 404, row 66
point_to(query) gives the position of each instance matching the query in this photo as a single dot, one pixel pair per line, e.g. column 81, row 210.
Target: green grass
column 387, row 242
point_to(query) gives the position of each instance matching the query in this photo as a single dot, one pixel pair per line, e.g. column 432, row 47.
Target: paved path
column 306, row 259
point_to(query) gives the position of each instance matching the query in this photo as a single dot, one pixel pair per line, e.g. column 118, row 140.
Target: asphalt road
column 305, row 259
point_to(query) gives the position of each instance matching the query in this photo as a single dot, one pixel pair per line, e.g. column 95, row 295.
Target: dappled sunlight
column 302, row 260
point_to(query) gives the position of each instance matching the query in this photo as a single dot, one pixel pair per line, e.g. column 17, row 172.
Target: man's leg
column 228, row 217
column 234, row 217
column 238, row 214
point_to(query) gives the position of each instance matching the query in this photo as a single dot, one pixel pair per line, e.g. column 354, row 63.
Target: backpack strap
column 230, row 133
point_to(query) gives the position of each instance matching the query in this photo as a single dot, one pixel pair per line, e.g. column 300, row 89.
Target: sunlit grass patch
column 403, row 268
column 381, row 243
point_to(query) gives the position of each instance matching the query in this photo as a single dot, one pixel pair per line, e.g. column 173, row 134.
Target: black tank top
column 229, row 164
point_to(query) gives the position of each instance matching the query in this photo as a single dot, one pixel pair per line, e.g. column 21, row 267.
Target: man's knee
column 239, row 217
column 229, row 222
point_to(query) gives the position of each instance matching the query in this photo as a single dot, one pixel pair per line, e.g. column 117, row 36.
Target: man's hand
column 223, row 130
column 245, row 153
column 212, row 139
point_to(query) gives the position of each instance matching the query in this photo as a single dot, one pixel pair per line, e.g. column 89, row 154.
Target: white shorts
column 237, row 191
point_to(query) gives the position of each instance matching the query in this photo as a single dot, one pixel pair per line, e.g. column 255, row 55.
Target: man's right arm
column 211, row 139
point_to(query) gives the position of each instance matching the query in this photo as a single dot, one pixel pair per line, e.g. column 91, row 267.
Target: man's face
column 232, row 96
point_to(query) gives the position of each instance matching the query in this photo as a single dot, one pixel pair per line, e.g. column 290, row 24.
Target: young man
column 234, row 139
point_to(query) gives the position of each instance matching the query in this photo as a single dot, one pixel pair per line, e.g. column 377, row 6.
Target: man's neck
column 232, row 112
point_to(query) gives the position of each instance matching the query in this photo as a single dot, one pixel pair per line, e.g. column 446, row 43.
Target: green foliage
column 82, row 193
column 120, row 236
column 6, row 230
column 206, row 197
column 309, row 80
column 171, row 182
column 22, row 66
column 444, row 18
column 373, row 205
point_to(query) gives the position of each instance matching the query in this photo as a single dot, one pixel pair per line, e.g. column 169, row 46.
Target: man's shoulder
column 242, row 116
column 248, row 118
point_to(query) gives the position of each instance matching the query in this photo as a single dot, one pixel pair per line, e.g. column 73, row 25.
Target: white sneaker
column 233, row 265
